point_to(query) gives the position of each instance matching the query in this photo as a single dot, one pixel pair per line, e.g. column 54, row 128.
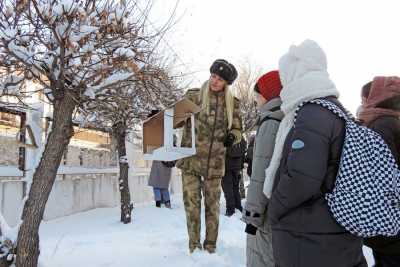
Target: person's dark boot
column 193, row 247
column 168, row 204
column 229, row 212
column 240, row 209
column 209, row 246
column 158, row 204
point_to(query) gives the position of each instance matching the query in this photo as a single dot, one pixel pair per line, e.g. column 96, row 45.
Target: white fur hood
column 304, row 76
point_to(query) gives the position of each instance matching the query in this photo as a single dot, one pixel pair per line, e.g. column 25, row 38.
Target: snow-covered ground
column 156, row 237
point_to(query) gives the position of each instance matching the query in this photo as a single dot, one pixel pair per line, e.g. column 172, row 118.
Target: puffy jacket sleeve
column 256, row 202
column 236, row 128
column 304, row 169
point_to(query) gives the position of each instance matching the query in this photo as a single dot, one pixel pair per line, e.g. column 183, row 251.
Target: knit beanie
column 269, row 85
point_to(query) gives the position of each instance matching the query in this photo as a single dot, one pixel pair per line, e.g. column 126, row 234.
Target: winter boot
column 209, row 246
column 193, row 248
column 158, row 204
column 168, row 204
column 229, row 212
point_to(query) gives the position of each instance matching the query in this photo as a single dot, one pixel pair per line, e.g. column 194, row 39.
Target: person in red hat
column 259, row 243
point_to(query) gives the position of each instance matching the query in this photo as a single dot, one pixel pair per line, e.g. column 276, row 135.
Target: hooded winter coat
column 382, row 114
column 259, row 246
column 256, row 201
column 304, row 232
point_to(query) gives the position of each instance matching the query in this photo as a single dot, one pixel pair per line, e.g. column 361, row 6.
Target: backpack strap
column 268, row 118
column 345, row 115
column 397, row 185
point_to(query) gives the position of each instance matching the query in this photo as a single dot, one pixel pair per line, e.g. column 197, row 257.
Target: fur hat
column 225, row 70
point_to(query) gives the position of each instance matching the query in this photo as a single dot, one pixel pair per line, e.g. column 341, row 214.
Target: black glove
column 169, row 164
column 251, row 229
column 229, row 140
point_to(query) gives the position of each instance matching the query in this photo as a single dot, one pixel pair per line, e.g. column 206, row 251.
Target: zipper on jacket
column 212, row 138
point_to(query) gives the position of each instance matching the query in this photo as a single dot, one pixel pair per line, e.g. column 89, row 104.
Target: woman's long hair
column 229, row 101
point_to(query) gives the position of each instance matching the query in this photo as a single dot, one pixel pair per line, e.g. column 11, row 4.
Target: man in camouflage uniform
column 217, row 126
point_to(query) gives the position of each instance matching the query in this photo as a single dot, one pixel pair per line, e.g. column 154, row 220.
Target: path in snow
column 156, row 237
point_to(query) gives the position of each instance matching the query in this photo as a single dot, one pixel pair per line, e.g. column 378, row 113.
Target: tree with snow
column 120, row 110
column 243, row 87
column 75, row 50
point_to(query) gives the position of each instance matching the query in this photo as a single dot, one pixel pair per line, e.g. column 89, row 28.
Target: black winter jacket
column 389, row 128
column 235, row 156
column 304, row 231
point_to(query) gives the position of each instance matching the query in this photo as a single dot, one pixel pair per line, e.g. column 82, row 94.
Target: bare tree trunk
column 42, row 183
column 119, row 132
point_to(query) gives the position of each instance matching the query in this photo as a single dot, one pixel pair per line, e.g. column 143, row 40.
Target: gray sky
column 361, row 38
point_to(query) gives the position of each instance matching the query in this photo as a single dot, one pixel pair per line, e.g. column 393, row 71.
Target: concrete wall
column 88, row 179
column 77, row 193
column 11, row 194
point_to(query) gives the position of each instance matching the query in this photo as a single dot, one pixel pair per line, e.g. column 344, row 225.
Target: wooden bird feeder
column 158, row 132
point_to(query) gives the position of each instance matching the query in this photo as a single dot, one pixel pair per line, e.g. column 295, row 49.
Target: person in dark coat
column 230, row 182
column 304, row 166
column 381, row 113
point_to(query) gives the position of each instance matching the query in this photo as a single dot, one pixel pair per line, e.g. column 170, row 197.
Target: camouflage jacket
column 211, row 129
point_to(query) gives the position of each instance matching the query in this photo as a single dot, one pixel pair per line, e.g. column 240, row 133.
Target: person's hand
column 254, row 218
column 229, row 140
column 251, row 229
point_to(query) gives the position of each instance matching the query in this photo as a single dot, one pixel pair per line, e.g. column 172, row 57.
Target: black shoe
column 158, row 204
column 168, row 204
column 229, row 212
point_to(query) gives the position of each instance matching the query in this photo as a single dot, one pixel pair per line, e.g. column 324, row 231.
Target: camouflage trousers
column 192, row 191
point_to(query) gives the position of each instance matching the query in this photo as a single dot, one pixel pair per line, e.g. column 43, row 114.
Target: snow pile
column 156, row 237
